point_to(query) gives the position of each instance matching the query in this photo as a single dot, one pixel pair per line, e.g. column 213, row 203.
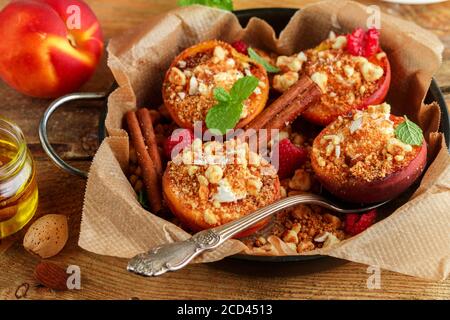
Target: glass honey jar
column 18, row 188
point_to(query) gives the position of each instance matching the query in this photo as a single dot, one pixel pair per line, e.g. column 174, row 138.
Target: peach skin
column 49, row 47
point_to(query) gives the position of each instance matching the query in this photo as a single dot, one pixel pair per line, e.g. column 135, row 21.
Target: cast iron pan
column 277, row 18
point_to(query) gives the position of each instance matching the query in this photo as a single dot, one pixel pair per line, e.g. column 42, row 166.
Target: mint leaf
column 221, row 4
column 269, row 68
column 221, row 95
column 243, row 88
column 227, row 112
column 223, row 117
column 410, row 133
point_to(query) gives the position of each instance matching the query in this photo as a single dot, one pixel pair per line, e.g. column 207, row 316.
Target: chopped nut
column 399, row 158
column 230, row 63
column 210, row 217
column 202, row 180
column 203, row 89
column 321, row 79
column 371, row 72
column 177, row 77
column 362, row 89
column 394, row 144
column 282, row 82
column 380, row 108
column 300, row 181
column 181, row 95
column 305, row 246
column 333, row 137
column 220, row 53
column 332, row 35
column 214, row 173
column 254, row 186
column 321, row 162
column 290, row 236
column 260, row 241
column 283, row 193
column 203, row 192
column 296, row 227
column 340, row 42
column 333, row 220
column 193, row 85
column 301, row 212
column 381, row 55
column 290, row 63
column 348, row 70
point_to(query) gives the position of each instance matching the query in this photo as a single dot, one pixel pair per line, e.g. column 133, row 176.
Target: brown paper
column 414, row 240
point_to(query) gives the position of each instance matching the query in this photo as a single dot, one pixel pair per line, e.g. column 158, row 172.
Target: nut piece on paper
column 47, row 236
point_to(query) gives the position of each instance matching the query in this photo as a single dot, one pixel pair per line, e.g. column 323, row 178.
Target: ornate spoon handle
column 174, row 256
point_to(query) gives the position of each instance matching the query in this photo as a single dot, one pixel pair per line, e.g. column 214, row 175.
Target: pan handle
column 43, row 137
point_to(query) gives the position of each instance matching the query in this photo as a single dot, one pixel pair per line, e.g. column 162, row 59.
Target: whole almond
column 47, row 236
column 51, row 275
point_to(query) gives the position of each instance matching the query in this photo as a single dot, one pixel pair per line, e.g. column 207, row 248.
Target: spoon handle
column 174, row 256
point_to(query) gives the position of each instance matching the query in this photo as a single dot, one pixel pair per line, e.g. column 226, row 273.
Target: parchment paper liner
column 414, row 240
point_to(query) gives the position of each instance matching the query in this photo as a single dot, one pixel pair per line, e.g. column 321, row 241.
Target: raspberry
column 290, row 157
column 354, row 42
column 360, row 43
column 180, row 138
column 240, row 46
column 356, row 223
column 371, row 45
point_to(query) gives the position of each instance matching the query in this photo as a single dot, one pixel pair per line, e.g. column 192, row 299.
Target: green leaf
column 221, row 95
column 223, row 117
column 142, row 198
column 227, row 112
column 243, row 88
column 257, row 58
column 221, row 4
column 409, row 133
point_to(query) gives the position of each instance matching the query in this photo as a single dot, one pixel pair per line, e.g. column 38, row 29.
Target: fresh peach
column 49, row 47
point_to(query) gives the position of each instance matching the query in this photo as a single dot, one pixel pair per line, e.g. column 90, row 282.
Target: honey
column 18, row 188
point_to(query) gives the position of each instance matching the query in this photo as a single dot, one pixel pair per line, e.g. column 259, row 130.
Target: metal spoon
column 174, row 256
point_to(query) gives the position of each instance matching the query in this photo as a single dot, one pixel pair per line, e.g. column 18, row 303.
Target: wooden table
column 73, row 132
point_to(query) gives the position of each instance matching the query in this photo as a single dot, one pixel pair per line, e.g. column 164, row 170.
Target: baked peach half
column 210, row 184
column 359, row 157
column 348, row 82
column 189, row 83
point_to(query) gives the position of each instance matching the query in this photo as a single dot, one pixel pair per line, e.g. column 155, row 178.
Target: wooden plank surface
column 74, row 130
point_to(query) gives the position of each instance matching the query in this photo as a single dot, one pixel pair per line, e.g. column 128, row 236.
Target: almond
column 51, row 275
column 47, row 236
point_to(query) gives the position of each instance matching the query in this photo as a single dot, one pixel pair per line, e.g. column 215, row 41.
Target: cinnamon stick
column 145, row 122
column 281, row 103
column 295, row 108
column 151, row 179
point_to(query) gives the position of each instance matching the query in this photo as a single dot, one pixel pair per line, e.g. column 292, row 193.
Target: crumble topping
column 346, row 79
column 363, row 146
column 191, row 81
column 226, row 182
